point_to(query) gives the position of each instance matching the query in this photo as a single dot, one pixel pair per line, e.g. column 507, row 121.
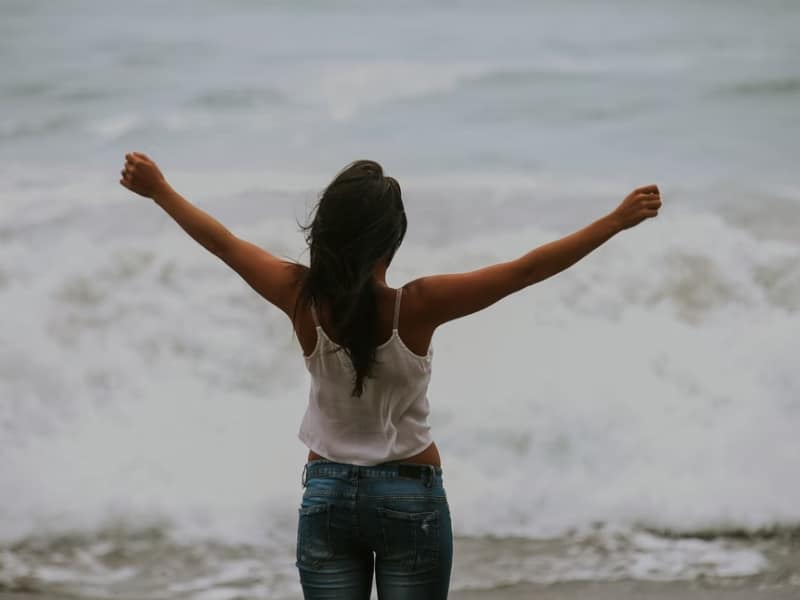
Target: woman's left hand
column 142, row 175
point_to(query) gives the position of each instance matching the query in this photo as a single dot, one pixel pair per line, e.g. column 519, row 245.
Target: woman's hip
column 399, row 512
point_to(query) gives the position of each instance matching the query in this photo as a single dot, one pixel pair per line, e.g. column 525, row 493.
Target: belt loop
column 429, row 483
column 303, row 476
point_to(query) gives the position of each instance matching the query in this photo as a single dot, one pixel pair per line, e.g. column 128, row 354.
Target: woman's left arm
column 273, row 278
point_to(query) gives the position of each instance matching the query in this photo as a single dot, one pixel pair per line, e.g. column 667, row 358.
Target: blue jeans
column 393, row 517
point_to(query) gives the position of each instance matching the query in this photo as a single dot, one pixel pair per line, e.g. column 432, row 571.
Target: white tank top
column 387, row 423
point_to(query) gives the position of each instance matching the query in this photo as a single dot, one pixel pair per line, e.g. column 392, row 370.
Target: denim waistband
column 327, row 468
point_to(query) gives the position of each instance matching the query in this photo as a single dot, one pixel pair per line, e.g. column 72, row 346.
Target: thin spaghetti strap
column 314, row 314
column 397, row 308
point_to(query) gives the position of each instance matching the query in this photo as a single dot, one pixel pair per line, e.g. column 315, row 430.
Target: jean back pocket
column 410, row 539
column 314, row 543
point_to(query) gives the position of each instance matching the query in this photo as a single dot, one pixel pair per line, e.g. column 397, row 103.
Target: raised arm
column 267, row 274
column 447, row 297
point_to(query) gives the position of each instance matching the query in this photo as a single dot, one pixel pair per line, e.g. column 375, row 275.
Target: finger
column 649, row 199
column 648, row 189
column 142, row 156
column 650, row 212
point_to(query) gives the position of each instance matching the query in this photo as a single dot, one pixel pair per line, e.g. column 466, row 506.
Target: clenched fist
column 142, row 175
column 642, row 203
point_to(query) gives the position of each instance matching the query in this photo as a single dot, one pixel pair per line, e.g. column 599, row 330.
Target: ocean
column 633, row 418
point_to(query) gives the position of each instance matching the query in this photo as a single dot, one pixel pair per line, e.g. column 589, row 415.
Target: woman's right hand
column 642, row 203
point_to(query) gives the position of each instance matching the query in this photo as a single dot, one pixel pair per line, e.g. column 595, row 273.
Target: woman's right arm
column 450, row 296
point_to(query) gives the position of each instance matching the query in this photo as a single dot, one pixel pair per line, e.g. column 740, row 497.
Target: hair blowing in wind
column 358, row 221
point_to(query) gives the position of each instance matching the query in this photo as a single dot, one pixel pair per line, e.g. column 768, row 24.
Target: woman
column 374, row 494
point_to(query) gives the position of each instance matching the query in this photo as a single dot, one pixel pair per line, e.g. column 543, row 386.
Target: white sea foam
column 654, row 384
column 348, row 88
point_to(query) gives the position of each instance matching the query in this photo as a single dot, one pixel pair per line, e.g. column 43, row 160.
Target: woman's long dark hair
column 358, row 220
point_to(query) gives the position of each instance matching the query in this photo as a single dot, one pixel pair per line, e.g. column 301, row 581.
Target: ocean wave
column 781, row 86
column 348, row 88
column 154, row 564
column 636, row 415
column 238, row 97
column 26, row 89
column 50, row 125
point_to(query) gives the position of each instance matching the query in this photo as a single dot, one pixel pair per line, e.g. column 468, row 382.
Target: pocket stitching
column 408, row 516
column 313, row 509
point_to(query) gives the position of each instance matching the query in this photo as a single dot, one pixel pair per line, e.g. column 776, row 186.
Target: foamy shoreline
column 619, row 590
column 639, row 590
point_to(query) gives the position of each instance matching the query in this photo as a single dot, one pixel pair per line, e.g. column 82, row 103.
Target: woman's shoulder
column 414, row 330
